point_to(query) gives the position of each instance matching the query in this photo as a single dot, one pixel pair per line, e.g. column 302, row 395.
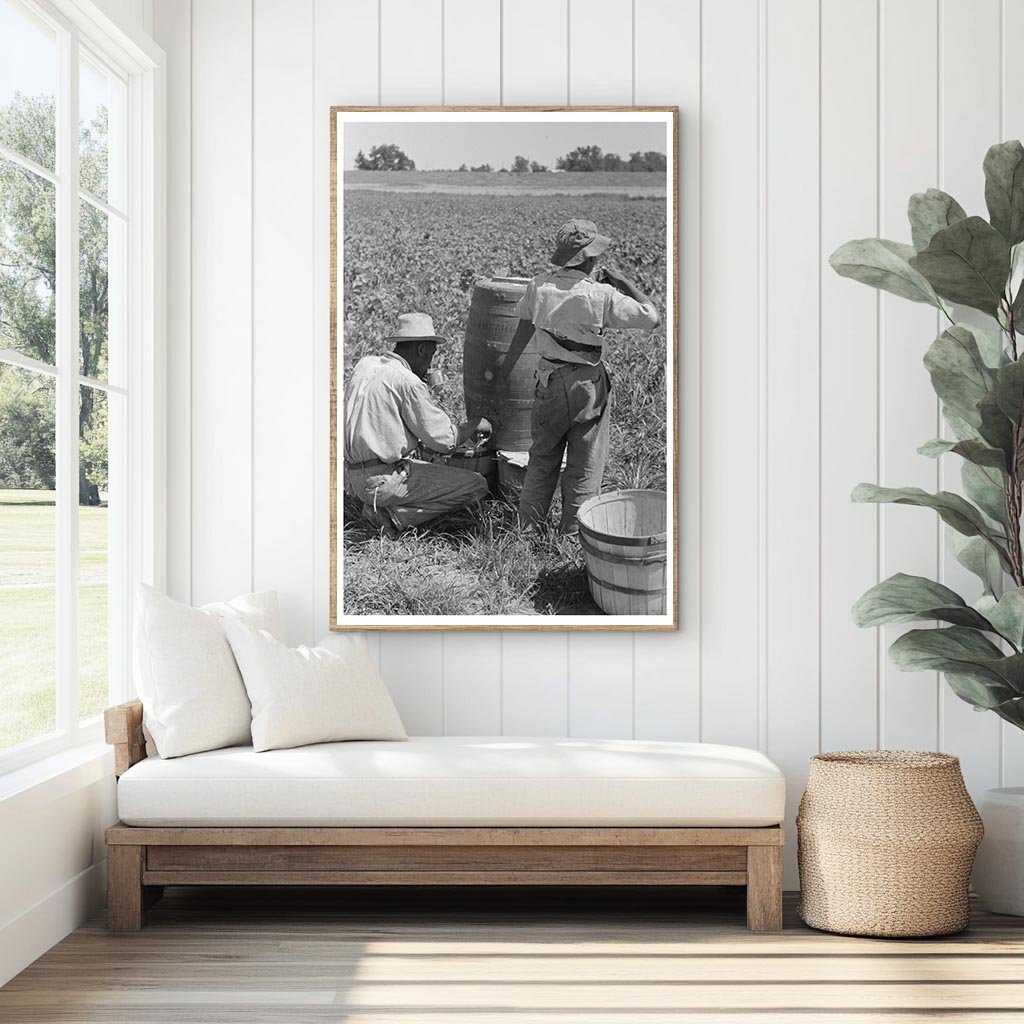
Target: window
column 76, row 353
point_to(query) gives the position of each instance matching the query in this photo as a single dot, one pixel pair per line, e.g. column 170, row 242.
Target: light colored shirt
column 389, row 411
column 573, row 305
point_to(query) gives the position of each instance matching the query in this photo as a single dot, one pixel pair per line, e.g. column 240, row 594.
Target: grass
column 467, row 563
column 424, row 251
column 28, row 594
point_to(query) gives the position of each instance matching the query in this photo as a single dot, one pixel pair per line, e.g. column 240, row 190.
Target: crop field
column 423, row 250
column 634, row 183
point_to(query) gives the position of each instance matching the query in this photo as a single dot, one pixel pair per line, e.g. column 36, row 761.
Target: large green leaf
column 1015, row 285
column 982, row 693
column 973, row 451
column 903, row 598
column 985, row 487
column 930, row 212
column 990, row 345
column 967, row 263
column 1009, row 390
column 883, row 264
column 961, row 429
column 964, row 652
column 1004, row 189
column 1011, row 711
column 976, row 555
column 1006, row 614
column 996, row 427
column 958, row 372
column 953, row 510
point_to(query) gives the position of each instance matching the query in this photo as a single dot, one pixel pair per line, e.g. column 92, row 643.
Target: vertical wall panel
column 534, row 62
column 283, row 309
column 410, row 52
column 730, row 502
column 472, row 52
column 173, row 30
column 969, row 124
column 600, row 685
column 221, row 370
column 414, row 673
column 849, row 372
column 535, row 680
column 601, row 668
column 472, row 684
column 472, row 661
column 909, row 414
column 344, row 54
column 600, row 52
column 411, row 73
column 535, row 675
column 347, row 72
column 1012, row 127
column 667, row 665
column 792, row 384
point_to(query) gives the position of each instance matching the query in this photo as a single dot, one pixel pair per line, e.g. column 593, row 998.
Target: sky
column 434, row 146
column 28, row 61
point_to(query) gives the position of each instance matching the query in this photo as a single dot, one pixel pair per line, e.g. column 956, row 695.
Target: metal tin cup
column 434, row 378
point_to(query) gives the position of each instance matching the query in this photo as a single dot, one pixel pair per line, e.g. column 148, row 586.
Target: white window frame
column 140, row 64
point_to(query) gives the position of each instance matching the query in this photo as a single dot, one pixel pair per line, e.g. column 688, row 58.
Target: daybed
column 444, row 811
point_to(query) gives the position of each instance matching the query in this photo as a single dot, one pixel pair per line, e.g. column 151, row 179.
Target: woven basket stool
column 886, row 840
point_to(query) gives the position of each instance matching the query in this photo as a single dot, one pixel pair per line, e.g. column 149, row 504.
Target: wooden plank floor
column 219, row 956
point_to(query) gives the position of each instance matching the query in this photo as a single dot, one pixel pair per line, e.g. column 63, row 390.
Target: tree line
column 28, row 286
column 389, row 157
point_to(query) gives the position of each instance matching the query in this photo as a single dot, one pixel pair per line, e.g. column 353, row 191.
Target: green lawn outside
column 28, row 524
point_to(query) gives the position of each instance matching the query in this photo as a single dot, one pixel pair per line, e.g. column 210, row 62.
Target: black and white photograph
column 503, row 368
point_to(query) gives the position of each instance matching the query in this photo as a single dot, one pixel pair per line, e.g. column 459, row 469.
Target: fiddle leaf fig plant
column 978, row 374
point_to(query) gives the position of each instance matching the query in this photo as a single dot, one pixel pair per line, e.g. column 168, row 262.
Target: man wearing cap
column 389, row 414
column 569, row 309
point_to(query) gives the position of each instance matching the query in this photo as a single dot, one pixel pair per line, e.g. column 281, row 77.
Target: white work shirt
column 573, row 305
column 389, row 411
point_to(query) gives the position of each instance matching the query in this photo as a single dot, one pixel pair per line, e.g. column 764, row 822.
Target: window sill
column 55, row 776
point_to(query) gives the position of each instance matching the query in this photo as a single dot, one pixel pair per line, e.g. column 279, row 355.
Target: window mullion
column 67, row 386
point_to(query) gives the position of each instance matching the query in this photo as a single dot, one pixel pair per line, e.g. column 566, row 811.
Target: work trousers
column 570, row 417
column 412, row 492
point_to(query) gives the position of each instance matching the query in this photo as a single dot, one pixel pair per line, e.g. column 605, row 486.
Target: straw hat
column 415, row 327
column 576, row 240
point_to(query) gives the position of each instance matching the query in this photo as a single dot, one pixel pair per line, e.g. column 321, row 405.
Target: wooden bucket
column 624, row 539
column 482, row 462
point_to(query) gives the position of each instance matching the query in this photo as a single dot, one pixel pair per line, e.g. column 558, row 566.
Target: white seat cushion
column 459, row 780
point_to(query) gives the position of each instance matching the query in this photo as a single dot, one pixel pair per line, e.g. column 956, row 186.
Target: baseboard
column 26, row 937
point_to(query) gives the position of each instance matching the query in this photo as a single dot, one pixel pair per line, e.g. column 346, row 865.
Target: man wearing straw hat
column 569, row 309
column 389, row 414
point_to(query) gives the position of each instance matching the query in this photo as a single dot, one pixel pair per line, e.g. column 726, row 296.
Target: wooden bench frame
column 142, row 860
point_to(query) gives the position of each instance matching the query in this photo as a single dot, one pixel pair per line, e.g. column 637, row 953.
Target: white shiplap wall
column 803, row 123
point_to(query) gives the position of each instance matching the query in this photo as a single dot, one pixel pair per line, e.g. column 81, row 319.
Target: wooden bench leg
column 764, row 888
column 125, row 896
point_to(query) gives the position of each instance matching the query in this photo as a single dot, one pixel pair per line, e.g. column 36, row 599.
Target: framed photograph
column 504, row 401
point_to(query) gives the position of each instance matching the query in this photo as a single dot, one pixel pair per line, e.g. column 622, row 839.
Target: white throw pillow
column 192, row 693
column 309, row 694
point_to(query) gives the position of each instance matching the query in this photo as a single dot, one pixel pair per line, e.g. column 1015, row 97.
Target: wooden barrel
column 507, row 401
column 624, row 539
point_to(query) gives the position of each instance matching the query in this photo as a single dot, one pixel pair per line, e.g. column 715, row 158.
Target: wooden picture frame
column 592, row 619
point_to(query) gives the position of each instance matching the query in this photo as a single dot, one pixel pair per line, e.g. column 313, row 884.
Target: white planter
column 999, row 867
